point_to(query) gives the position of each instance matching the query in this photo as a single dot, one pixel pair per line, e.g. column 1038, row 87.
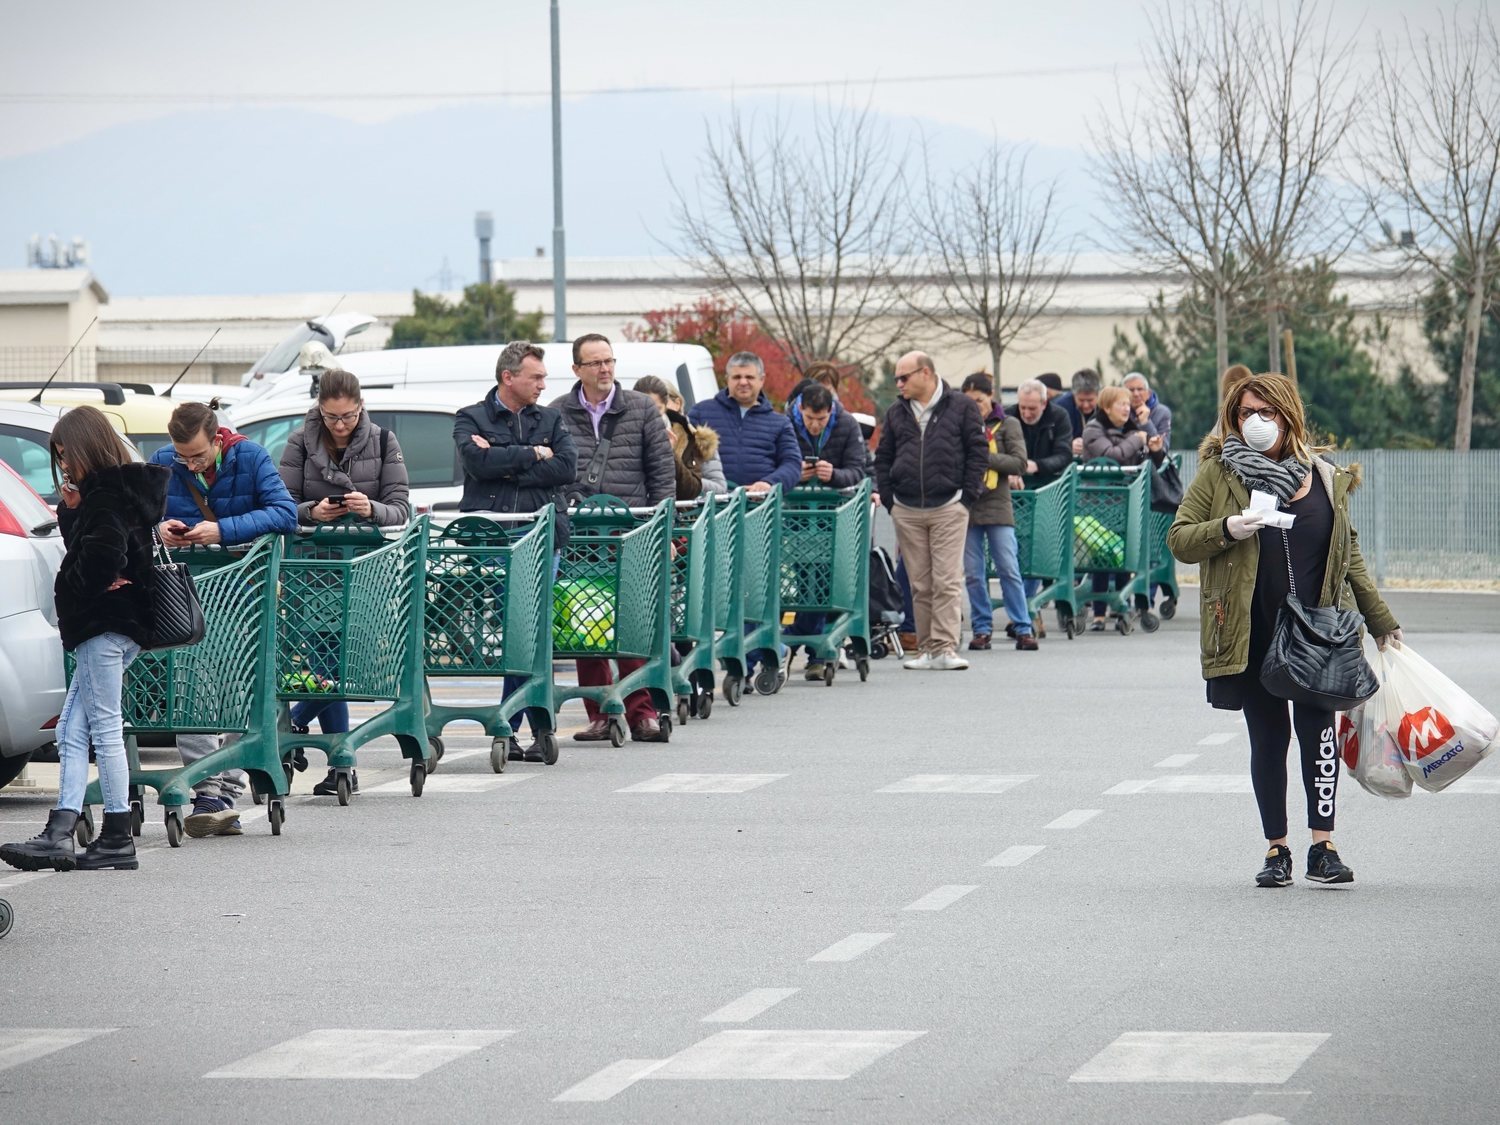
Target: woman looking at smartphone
column 110, row 504
column 341, row 465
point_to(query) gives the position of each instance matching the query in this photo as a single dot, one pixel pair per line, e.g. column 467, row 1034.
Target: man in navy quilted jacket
column 225, row 489
column 757, row 445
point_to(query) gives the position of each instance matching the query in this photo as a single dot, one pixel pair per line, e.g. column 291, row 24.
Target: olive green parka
column 1227, row 567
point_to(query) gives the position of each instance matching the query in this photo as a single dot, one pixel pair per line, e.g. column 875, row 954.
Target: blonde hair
column 1110, row 395
column 1281, row 393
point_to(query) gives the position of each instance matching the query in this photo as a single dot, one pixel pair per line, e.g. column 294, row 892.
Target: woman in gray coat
column 340, row 464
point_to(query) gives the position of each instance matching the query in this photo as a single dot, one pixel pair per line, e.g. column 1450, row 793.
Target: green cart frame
column 223, row 685
column 613, row 601
column 760, row 582
column 352, row 616
column 694, row 570
column 1112, row 527
column 1163, row 565
column 729, row 603
column 825, row 568
column 488, row 594
column 1044, row 546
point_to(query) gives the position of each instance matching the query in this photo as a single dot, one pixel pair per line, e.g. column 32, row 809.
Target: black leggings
column 1270, row 737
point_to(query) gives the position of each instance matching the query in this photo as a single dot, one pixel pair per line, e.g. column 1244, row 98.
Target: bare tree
column 803, row 232
column 1434, row 153
column 1288, row 116
column 990, row 251
column 1163, row 161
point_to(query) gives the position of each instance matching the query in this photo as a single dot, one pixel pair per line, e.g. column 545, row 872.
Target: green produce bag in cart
column 1096, row 547
column 583, row 615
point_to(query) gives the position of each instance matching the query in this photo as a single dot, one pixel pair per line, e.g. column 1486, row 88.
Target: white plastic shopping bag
column 1369, row 749
column 1440, row 730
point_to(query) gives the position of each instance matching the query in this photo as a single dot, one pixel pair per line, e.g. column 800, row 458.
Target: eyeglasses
column 901, row 379
column 196, row 458
column 341, row 419
column 598, row 364
column 1267, row 413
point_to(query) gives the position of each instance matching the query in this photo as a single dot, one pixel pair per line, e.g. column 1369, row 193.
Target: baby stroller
column 886, row 611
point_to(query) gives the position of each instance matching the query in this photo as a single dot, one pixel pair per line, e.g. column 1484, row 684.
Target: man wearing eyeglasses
column 929, row 469
column 224, row 490
column 623, row 451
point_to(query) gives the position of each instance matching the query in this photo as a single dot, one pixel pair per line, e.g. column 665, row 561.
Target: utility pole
column 559, row 253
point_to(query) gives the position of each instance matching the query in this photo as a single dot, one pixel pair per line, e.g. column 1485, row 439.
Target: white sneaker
column 948, row 662
column 919, row 663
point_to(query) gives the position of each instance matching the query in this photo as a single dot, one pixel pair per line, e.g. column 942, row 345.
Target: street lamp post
column 559, row 253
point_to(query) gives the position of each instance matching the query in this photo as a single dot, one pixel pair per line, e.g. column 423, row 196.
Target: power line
column 209, row 98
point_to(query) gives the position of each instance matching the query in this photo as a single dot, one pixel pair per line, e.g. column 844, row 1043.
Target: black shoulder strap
column 385, row 443
column 593, row 472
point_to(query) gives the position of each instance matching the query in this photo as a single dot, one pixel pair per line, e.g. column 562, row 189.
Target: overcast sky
column 1062, row 57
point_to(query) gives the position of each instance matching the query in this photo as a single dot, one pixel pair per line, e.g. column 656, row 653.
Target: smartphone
column 809, row 462
column 337, row 501
column 176, row 527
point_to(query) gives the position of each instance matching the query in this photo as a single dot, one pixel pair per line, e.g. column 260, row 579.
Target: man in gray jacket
column 623, row 451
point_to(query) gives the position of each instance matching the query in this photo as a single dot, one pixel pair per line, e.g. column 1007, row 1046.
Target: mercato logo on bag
column 1423, row 733
column 1327, row 782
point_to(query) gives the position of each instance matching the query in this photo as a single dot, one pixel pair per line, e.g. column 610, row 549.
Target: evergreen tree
column 1433, row 405
column 485, row 315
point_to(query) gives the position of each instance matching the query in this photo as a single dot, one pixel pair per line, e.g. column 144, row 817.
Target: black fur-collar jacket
column 108, row 536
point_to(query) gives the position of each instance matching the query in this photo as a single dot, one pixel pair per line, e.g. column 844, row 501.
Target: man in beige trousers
column 930, row 468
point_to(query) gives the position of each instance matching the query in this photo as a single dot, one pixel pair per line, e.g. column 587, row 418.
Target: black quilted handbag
column 1315, row 656
column 176, row 614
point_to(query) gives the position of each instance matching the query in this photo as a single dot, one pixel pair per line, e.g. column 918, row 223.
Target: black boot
column 52, row 849
column 114, row 848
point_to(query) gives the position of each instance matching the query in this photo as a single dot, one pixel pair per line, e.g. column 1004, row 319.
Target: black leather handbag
column 1315, row 656
column 1166, row 488
column 176, row 614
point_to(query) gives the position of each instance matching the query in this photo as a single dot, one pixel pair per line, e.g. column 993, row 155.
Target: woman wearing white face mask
column 1244, row 580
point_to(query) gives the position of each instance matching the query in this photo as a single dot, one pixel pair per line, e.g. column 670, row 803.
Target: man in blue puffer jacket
column 756, row 444
column 217, row 471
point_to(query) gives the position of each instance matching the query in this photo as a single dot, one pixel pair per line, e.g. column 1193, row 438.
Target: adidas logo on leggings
column 1328, row 771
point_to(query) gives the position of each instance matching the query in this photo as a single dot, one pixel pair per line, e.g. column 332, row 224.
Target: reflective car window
column 25, row 451
column 426, row 445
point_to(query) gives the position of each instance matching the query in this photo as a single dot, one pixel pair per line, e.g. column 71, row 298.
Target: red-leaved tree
column 723, row 330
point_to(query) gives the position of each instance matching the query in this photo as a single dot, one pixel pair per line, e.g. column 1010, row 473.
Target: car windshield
column 149, row 443
column 283, row 357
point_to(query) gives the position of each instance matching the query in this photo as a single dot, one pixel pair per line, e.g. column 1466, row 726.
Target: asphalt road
column 928, row 898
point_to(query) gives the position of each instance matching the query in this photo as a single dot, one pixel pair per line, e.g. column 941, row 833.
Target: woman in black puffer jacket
column 110, row 505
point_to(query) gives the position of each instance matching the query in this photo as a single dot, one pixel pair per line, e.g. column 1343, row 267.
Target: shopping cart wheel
column 705, row 704
column 83, row 831
column 1149, row 621
column 174, row 827
column 768, row 679
column 549, row 748
column 617, row 731
column 499, row 751
column 435, row 744
column 137, row 817
column 1169, row 609
column 418, row 778
column 1067, row 622
column 829, row 671
column 878, row 651
column 682, row 710
column 257, row 796
column 7, row 916
column 665, row 722
column 734, row 689
column 1122, row 625
column 862, row 666
column 342, row 787
column 275, row 814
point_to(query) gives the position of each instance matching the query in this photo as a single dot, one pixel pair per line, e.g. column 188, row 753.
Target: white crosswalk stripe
column 957, row 783
column 451, row 783
column 850, row 947
column 26, row 1044
column 1015, row 855
column 1270, row 1057
column 1184, row 783
column 754, row 1003
column 703, row 783
column 340, row 1053
column 782, row 1055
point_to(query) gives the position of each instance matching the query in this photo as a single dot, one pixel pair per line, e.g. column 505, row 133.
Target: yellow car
column 135, row 409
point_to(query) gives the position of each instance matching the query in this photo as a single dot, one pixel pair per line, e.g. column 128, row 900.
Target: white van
column 469, row 370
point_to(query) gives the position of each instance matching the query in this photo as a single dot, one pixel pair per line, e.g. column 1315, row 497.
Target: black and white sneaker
column 1325, row 866
column 1278, row 869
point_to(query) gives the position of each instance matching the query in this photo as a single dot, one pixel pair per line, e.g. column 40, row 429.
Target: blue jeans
column 91, row 713
column 332, row 714
column 1002, row 544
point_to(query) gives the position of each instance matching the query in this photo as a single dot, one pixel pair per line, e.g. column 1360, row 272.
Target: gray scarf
column 1257, row 472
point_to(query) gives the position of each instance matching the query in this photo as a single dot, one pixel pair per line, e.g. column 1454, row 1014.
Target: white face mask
column 1259, row 434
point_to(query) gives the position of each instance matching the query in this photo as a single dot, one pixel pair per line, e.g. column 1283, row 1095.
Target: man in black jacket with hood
column 929, row 468
column 518, row 457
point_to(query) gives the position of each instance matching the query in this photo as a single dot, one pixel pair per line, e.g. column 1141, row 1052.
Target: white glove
column 1244, row 526
column 1381, row 642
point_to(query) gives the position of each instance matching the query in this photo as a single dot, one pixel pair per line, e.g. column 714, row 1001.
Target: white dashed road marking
column 24, row 1044
column 1074, row 819
column 614, row 1078
column 1176, row 761
column 351, row 1054
column 1218, row 739
column 747, row 1007
column 940, row 898
column 1184, row 783
column 851, row 947
column 1201, row 1056
column 451, row 783
column 703, row 783
column 956, row 783
column 782, row 1055
column 1015, row 855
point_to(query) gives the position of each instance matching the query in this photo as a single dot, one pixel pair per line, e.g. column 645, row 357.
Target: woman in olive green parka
column 1244, row 569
